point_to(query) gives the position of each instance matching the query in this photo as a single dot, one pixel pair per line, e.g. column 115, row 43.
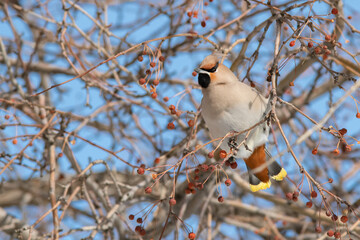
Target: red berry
column 137, row 228
column 165, row 99
column 193, row 191
column 334, row 217
column 131, row 217
column 309, row 204
column 343, row 131
column 192, row 235
column 331, row 180
column 327, row 37
column 289, row 196
column 206, row 4
column 7, row 117
column 358, row 115
column 334, row 11
column 291, row 84
column 313, row 194
column 156, row 82
column 296, row 194
column 344, row 219
column 148, row 71
column 189, row 14
column 191, row 123
column 349, row 17
column 295, row 199
column 142, row 81
column 148, row 190
column 330, row 233
column 171, row 107
column 318, row 229
column 336, row 151
column 212, row 168
column 172, row 201
column 14, row 141
column 227, row 182
column 204, row 167
column 194, row 73
column 140, row 58
column 152, row 64
column 221, row 199
column 142, row 232
column 199, row 186
column 314, row 151
column 211, row 154
column 317, row 50
column 154, row 95
column 233, row 165
column 140, row 171
column 187, row 191
column 203, row 23
column 222, row 154
column 161, row 58
column 139, row 220
column 328, row 213
column 310, row 44
column 252, row 84
column 171, row 126
column 337, row 235
column 347, row 148
column 292, row 43
column 60, row 155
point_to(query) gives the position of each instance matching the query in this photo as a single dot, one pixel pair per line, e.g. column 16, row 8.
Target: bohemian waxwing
column 229, row 105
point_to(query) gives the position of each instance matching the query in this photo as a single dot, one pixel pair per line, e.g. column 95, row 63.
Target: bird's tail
column 261, row 166
column 275, row 170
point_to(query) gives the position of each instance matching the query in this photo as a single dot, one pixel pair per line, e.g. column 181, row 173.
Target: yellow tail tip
column 260, row 186
column 280, row 176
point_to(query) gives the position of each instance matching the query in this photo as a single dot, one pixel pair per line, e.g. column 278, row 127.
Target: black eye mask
column 204, row 80
column 212, row 69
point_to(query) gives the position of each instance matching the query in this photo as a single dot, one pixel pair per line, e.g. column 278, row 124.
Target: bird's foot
column 232, row 143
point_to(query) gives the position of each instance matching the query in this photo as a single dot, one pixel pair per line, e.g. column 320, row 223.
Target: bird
column 229, row 105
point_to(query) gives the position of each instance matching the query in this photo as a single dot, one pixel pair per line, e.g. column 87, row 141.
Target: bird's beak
column 199, row 70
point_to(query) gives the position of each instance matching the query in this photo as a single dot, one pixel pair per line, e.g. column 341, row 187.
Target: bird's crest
column 210, row 61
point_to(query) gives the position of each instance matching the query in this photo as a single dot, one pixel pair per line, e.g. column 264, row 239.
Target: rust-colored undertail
column 258, row 171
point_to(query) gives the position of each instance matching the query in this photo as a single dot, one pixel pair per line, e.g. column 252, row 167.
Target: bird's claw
column 232, row 143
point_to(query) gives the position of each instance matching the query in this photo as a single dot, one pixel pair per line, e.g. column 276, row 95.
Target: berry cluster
column 155, row 60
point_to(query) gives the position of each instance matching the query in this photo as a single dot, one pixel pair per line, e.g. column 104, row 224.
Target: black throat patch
column 204, row 80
